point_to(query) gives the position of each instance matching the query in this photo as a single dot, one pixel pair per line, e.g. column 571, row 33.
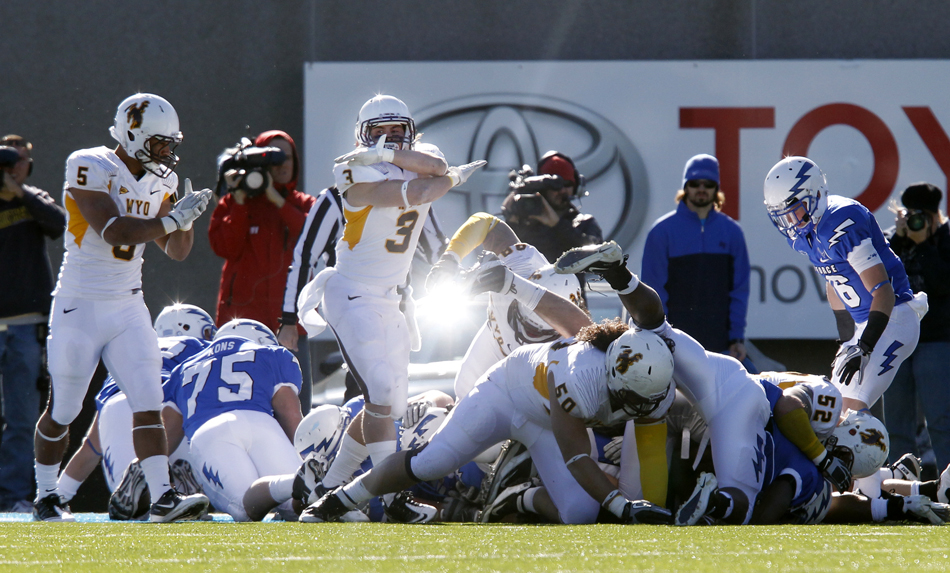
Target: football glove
column 850, row 362
column 444, row 271
column 190, row 207
column 368, row 155
column 415, row 412
column 489, row 275
column 642, row 511
column 460, row 174
column 921, row 508
column 612, row 450
column 835, row 471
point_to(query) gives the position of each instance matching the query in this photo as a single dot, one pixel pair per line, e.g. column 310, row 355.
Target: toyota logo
column 512, row 129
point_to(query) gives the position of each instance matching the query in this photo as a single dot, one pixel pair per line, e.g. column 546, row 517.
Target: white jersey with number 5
column 91, row 267
column 378, row 242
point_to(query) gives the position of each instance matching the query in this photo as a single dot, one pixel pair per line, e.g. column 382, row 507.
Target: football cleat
column 403, row 508
column 183, row 479
column 459, row 510
column 175, row 506
column 52, row 508
column 509, row 501
column 130, row 500
column 512, row 467
column 327, row 508
column 308, row 486
column 590, row 259
column 943, row 486
column 698, row 504
column 906, row 468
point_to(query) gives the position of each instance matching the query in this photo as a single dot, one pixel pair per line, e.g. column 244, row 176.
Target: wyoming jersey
column 378, row 242
column 92, row 268
column 523, row 260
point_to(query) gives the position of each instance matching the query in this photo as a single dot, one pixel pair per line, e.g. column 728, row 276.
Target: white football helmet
column 185, row 320
column 796, row 183
column 250, row 329
column 639, row 372
column 415, row 437
column 863, row 439
column 385, row 110
column 144, row 119
column 530, row 328
column 321, row 431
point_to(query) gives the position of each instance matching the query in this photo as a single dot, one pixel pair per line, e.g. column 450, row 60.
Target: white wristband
column 615, row 502
column 387, row 155
column 634, row 283
column 170, row 225
column 527, row 293
column 404, row 190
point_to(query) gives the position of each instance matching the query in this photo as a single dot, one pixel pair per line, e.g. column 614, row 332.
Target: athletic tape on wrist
column 109, row 222
column 404, row 190
column 631, row 286
column 170, row 225
column 527, row 293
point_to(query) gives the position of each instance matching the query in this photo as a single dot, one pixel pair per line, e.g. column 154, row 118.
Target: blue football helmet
column 796, row 196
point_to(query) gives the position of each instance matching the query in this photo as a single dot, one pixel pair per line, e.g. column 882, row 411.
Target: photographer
column 255, row 228
column 540, row 211
column 922, row 242
column 27, row 216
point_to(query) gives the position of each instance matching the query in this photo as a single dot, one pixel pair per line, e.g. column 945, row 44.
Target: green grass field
column 113, row 547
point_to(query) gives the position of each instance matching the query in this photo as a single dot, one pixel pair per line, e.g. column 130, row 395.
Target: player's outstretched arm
column 409, row 193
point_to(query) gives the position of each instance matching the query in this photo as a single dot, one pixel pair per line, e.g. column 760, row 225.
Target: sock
column 928, row 488
column 155, row 469
column 527, row 499
column 47, row 477
column 379, row 451
column 887, row 473
column 68, row 487
column 869, row 486
column 347, row 461
column 354, row 493
column 281, row 487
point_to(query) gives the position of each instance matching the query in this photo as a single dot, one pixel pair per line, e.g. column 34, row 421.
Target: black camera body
column 916, row 219
column 250, row 164
column 9, row 156
column 527, row 200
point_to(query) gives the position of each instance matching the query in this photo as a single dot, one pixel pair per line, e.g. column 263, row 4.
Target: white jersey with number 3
column 91, row 267
column 378, row 242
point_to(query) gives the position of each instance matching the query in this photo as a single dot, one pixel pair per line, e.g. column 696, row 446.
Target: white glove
column 926, row 510
column 368, row 155
column 190, row 207
column 850, row 362
column 460, row 174
column 444, row 271
column 415, row 411
column 613, row 448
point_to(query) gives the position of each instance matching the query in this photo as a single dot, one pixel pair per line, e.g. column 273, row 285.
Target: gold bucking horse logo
column 625, row 360
column 134, row 114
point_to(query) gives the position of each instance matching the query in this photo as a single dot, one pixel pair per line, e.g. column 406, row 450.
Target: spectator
column 922, row 242
column 696, row 259
column 27, row 216
column 541, row 212
column 256, row 237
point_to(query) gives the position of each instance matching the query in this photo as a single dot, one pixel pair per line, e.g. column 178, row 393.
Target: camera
column 527, row 187
column 916, row 219
column 248, row 164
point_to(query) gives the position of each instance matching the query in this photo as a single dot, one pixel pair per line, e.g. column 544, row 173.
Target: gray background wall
column 236, row 68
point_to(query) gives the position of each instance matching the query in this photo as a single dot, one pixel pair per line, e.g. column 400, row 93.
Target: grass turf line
column 115, row 547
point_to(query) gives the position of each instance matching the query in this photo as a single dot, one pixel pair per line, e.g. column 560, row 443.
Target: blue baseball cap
column 702, row 166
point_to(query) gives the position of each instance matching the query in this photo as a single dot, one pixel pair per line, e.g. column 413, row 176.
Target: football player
column 236, row 401
column 387, row 185
column 877, row 314
column 109, row 438
column 544, row 396
column 116, row 201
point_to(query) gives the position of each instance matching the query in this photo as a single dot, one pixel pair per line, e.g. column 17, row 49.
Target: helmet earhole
column 131, row 137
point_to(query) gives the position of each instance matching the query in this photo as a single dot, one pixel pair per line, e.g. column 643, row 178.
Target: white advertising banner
column 874, row 127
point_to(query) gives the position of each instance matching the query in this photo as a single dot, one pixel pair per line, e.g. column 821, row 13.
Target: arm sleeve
column 228, row 229
column 655, row 268
column 739, row 296
column 654, row 472
column 317, row 241
column 44, row 210
column 796, row 427
column 471, row 234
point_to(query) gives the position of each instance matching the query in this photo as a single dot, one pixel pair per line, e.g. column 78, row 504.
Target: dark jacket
column 24, row 225
column 928, row 270
column 574, row 229
column 700, row 269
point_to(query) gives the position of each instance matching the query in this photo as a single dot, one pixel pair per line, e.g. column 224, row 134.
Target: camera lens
column 916, row 221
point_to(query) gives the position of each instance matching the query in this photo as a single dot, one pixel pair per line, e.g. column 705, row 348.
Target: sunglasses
column 697, row 183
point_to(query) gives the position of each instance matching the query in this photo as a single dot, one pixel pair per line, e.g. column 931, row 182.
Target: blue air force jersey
column 232, row 373
column 846, row 242
column 174, row 349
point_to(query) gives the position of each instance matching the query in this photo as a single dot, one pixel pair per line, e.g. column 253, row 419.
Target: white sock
column 155, row 469
column 347, row 461
column 47, row 477
column 281, row 487
column 355, row 493
column 68, row 487
column 379, row 451
column 527, row 500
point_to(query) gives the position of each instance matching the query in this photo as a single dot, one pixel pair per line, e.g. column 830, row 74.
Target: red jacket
column 257, row 241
